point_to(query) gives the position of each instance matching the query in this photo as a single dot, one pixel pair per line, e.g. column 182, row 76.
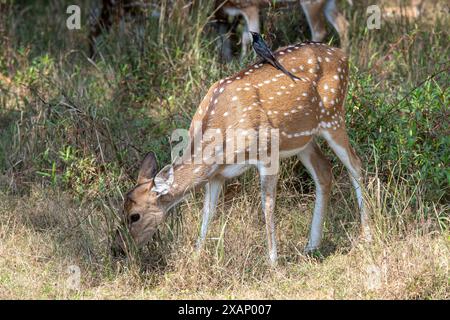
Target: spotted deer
column 256, row 100
column 317, row 12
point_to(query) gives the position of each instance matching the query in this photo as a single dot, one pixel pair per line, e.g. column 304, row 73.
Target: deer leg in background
column 314, row 15
column 338, row 21
column 224, row 42
column 103, row 22
column 251, row 16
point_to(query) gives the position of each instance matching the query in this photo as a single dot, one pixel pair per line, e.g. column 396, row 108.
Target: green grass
column 73, row 132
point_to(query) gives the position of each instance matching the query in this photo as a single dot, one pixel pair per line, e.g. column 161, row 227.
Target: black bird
column 263, row 51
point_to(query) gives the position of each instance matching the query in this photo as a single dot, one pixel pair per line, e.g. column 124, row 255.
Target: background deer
column 257, row 99
column 317, row 13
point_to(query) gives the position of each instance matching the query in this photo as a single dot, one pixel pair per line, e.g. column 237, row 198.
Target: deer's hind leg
column 340, row 144
column 319, row 168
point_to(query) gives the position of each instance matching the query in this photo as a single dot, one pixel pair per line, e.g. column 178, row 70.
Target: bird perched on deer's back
column 263, row 51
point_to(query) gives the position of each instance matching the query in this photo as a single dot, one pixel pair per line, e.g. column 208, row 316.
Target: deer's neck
column 187, row 178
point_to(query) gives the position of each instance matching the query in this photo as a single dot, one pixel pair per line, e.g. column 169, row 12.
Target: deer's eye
column 135, row 217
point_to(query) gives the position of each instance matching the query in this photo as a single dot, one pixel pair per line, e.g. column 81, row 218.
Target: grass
column 73, row 132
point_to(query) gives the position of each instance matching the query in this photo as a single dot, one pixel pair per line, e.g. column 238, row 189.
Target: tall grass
column 73, row 132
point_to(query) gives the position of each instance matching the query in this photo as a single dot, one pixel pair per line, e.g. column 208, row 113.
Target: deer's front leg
column 268, row 195
column 212, row 191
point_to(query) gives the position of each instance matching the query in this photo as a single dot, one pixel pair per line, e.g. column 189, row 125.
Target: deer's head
column 144, row 208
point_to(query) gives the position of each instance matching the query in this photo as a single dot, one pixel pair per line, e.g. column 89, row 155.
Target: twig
column 421, row 84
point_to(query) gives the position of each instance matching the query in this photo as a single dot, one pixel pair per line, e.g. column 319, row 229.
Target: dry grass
column 44, row 233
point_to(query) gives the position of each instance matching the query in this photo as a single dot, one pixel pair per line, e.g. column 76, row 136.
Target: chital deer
column 229, row 134
column 316, row 11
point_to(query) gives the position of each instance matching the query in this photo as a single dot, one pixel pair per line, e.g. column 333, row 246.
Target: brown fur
column 260, row 97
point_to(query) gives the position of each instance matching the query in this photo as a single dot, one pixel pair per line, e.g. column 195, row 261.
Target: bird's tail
column 280, row 67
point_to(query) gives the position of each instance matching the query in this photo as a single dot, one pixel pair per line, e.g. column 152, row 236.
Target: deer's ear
column 163, row 180
column 149, row 168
